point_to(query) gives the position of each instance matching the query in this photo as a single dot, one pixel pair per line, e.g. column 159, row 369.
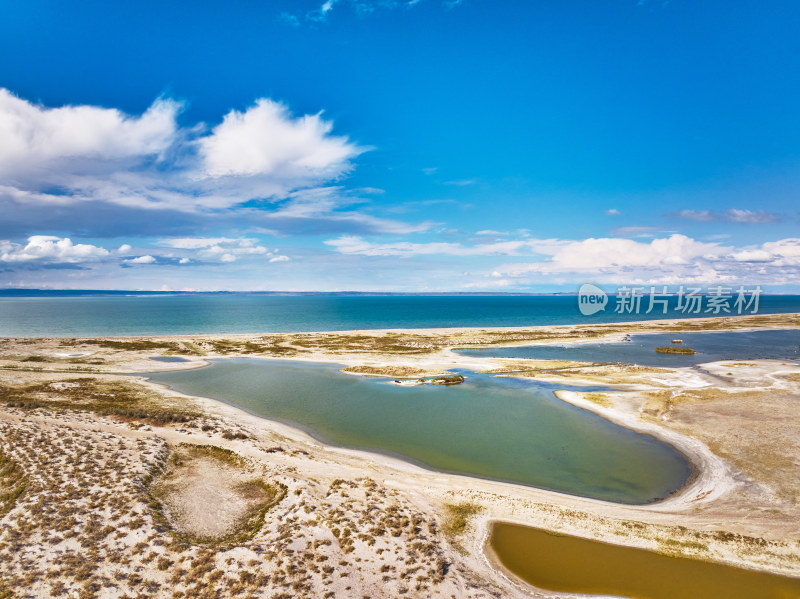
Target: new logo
column 591, row 299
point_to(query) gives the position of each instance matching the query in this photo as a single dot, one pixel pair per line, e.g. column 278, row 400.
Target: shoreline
column 676, row 442
column 710, row 476
column 691, row 322
column 711, row 497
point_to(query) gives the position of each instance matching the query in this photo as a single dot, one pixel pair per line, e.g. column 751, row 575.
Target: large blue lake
column 120, row 315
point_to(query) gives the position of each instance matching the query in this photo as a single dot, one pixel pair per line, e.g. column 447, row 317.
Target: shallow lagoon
column 490, row 427
column 575, row 565
column 641, row 349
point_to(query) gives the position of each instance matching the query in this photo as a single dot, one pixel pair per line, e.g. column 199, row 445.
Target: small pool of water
column 575, row 565
column 168, row 359
column 498, row 428
column 641, row 349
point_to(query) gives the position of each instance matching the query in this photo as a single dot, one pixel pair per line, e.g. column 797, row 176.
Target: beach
column 734, row 421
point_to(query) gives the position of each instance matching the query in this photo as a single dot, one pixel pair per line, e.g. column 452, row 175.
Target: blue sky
column 394, row 145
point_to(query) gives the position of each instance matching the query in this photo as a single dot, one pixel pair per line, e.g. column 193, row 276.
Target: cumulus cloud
column 262, row 165
column 267, row 140
column 196, row 243
column 73, row 137
column 222, row 249
column 49, row 249
column 68, row 154
column 614, row 254
column 674, row 259
column 148, row 259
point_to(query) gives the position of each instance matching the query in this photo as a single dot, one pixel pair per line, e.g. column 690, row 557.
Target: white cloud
column 612, row 253
column 219, row 249
column 325, row 205
column 353, row 244
column 785, row 252
column 749, row 216
column 262, row 164
column 267, row 140
column 184, row 261
column 612, row 212
column 148, row 259
column 195, row 243
column 675, row 259
column 634, row 231
column 72, row 154
column 752, row 256
column 124, row 248
column 697, row 215
column 360, row 7
column 36, row 138
column 734, row 215
column 45, row 248
column 280, row 258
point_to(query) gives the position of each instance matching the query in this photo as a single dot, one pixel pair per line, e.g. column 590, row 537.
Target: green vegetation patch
column 453, row 379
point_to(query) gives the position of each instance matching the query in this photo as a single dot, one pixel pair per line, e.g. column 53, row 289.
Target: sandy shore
column 741, row 507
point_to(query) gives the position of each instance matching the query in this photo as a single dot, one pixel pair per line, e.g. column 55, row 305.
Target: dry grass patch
column 210, row 494
column 601, row 399
column 389, row 371
column 12, row 484
column 457, row 517
column 671, row 349
column 106, row 397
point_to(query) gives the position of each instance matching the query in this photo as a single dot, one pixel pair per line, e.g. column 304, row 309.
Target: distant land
column 134, row 292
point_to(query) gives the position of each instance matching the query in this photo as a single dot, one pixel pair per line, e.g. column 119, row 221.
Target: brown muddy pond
column 575, row 565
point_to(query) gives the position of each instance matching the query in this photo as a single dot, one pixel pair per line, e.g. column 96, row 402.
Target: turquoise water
column 489, row 427
column 168, row 359
column 710, row 347
column 97, row 315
